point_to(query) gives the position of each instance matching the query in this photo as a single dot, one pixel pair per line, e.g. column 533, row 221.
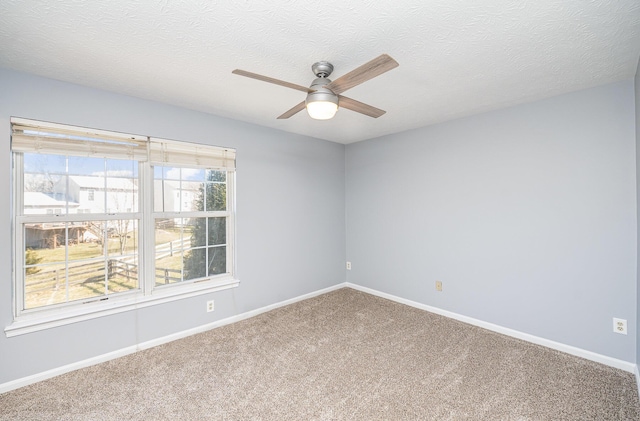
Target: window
column 136, row 220
column 192, row 204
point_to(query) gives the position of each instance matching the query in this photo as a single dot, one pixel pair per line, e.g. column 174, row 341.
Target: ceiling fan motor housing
column 320, row 92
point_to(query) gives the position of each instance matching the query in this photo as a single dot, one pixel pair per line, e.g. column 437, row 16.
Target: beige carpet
column 345, row 355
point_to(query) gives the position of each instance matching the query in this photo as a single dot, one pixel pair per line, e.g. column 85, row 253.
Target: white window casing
column 35, row 137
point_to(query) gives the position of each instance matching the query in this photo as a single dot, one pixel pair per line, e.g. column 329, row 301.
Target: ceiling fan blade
column 271, row 80
column 292, row 111
column 359, row 107
column 367, row 71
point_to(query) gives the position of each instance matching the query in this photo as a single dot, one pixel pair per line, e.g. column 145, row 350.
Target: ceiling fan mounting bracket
column 322, row 69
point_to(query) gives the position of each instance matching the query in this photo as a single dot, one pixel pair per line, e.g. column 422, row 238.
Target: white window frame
column 160, row 152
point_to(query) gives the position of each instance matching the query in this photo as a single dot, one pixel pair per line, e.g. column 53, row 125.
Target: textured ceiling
column 457, row 57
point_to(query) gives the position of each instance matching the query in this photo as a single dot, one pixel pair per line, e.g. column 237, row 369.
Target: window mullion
column 192, row 214
column 18, row 235
column 77, row 217
column 231, row 223
column 147, row 239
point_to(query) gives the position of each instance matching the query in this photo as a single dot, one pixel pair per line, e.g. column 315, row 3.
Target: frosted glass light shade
column 322, row 110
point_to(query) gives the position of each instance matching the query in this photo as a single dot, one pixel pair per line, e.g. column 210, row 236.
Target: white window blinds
column 50, row 138
column 166, row 152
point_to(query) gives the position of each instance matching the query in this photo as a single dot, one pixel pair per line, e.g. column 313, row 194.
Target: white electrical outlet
column 439, row 286
column 620, row 326
column 209, row 306
column 348, row 265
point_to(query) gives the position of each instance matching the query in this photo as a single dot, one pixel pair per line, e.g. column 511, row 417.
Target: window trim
column 148, row 293
column 49, row 318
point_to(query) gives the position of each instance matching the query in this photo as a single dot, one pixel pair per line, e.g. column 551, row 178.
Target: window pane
column 168, row 267
column 195, row 264
column 193, row 174
column 44, row 285
column 122, row 168
column 216, row 175
column 122, row 274
column 217, row 260
column 122, row 237
column 170, row 241
column 195, row 231
column 86, row 280
column 171, row 173
column 217, row 230
column 69, row 261
column 168, row 232
column 87, row 192
column 53, row 284
column 82, row 165
column 45, row 185
column 89, row 237
column 122, row 195
column 44, row 164
column 191, row 196
column 216, row 197
column 166, row 196
column 84, row 240
column 158, row 195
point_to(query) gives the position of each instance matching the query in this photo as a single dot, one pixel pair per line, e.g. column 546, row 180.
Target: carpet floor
column 345, row 355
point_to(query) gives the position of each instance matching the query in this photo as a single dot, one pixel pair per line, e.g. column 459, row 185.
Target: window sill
column 46, row 320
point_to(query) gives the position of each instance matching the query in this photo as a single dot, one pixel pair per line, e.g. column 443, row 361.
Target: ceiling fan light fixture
column 322, row 104
column 322, row 110
column 324, row 96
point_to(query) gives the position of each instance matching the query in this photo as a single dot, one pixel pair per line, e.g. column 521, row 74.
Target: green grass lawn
column 90, row 250
column 85, row 250
column 51, row 285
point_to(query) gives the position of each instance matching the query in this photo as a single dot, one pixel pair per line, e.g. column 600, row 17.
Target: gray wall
column 527, row 215
column 290, row 218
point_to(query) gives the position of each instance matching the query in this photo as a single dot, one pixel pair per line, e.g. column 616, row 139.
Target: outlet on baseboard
column 210, row 306
column 348, row 265
column 620, row 326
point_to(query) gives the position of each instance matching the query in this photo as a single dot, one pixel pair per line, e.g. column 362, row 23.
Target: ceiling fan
column 324, row 96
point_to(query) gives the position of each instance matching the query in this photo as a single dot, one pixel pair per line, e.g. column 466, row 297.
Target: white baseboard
column 603, row 359
column 25, row 381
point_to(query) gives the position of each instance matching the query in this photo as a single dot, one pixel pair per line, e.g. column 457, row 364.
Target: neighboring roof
column 96, row 182
column 186, row 186
column 42, row 200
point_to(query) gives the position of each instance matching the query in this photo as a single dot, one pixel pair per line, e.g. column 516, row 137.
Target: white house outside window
column 106, row 220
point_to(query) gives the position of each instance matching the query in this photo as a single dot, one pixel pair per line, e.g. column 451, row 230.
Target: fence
column 165, row 278
column 94, row 279
column 126, row 272
column 76, row 274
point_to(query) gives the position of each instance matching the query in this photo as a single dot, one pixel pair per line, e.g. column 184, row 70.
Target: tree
column 31, row 258
column 97, row 229
column 195, row 261
column 121, row 230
